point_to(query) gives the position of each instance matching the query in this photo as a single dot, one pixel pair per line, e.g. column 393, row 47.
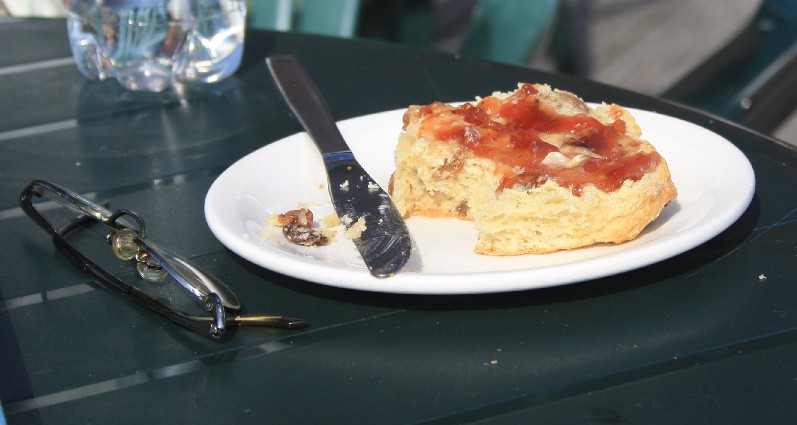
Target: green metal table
column 708, row 336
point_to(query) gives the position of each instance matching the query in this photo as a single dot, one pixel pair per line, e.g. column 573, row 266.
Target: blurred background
column 734, row 58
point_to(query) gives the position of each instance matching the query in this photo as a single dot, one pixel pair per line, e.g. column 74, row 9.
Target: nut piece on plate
column 297, row 227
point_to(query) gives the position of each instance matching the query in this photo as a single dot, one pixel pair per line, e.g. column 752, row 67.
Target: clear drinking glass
column 146, row 44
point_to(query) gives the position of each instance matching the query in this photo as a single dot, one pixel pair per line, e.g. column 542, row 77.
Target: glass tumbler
column 147, row 44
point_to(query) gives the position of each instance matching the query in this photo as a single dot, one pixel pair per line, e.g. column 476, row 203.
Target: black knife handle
column 305, row 100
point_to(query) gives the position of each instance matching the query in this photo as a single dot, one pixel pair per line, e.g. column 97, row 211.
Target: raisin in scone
column 537, row 170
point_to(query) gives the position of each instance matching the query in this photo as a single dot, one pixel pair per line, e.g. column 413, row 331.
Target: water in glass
column 146, row 44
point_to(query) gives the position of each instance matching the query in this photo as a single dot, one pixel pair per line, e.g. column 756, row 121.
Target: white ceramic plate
column 289, row 172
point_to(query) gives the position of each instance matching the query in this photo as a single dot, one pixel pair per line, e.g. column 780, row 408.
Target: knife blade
column 384, row 244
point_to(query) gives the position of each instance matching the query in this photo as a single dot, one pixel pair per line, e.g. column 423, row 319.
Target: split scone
column 536, row 169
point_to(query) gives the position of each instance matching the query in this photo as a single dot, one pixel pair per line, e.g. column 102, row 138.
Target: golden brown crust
column 438, row 178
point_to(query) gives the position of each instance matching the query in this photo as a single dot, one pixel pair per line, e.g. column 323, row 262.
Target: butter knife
column 385, row 243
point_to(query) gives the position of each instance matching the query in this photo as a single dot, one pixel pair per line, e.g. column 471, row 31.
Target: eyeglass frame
column 222, row 303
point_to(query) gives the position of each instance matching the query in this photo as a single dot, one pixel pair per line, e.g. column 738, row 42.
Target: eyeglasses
column 171, row 286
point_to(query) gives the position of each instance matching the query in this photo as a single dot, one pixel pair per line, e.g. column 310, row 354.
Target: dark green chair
column 500, row 30
column 753, row 79
column 328, row 17
column 509, row 30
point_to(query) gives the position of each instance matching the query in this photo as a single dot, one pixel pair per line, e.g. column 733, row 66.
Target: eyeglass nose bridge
column 113, row 220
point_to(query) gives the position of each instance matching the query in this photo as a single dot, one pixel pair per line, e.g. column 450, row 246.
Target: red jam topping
column 508, row 132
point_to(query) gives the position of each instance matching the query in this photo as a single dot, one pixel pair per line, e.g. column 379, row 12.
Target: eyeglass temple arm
column 283, row 322
column 234, row 319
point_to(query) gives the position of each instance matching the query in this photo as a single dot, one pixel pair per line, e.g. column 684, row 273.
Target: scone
column 537, row 170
